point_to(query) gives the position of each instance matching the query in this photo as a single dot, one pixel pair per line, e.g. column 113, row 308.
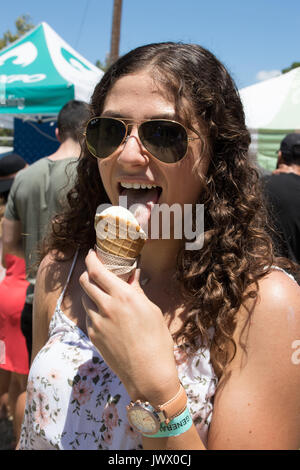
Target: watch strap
column 179, row 425
column 174, row 407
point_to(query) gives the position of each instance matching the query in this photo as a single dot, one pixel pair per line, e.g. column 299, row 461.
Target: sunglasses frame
column 130, row 122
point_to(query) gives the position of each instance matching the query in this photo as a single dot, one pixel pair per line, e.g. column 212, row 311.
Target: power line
column 82, row 22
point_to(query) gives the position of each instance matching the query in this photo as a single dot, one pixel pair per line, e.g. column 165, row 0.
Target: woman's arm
column 46, row 292
column 142, row 350
column 257, row 403
column 40, row 318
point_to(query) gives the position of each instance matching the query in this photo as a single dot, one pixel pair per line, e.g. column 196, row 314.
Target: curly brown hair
column 237, row 251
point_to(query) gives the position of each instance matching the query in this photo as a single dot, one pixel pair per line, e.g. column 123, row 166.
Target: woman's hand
column 130, row 333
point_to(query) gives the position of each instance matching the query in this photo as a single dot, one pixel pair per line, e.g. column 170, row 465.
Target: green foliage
column 22, row 24
column 103, row 66
column 293, row 66
column 6, row 133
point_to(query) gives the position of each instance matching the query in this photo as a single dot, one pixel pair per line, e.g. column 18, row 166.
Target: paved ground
column 6, row 435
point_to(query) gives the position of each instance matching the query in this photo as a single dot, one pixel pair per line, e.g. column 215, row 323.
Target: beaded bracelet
column 177, row 426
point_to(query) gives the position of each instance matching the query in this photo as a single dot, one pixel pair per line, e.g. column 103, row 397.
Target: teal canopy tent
column 39, row 73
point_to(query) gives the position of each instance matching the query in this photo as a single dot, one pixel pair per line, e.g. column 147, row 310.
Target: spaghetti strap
column 60, row 299
column 282, row 270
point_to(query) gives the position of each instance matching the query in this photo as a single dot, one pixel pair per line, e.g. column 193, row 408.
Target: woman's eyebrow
column 109, row 113
column 115, row 114
column 171, row 116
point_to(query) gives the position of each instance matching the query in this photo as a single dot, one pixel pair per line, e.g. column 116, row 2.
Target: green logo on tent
column 73, row 60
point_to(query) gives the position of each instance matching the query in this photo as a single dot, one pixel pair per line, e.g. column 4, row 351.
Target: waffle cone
column 119, row 237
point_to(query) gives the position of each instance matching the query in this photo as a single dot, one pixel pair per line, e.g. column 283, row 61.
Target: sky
column 255, row 39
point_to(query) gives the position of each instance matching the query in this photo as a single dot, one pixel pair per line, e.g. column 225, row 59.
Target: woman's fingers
column 91, row 310
column 98, row 297
column 134, row 279
column 104, row 278
column 92, row 319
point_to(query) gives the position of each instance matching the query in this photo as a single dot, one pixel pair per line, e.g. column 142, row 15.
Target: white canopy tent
column 272, row 110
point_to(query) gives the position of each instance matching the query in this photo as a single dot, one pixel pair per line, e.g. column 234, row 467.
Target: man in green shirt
column 37, row 194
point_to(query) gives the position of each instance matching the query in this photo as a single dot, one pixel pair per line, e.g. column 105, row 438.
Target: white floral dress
column 75, row 401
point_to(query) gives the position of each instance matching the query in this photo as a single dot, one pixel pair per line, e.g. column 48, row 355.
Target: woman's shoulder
column 278, row 289
column 275, row 313
column 259, row 390
column 54, row 266
column 53, row 273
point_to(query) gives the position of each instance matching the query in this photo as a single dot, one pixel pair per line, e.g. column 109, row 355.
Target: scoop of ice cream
column 117, row 213
column 118, row 232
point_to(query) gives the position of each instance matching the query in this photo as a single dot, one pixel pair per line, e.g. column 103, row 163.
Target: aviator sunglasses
column 165, row 139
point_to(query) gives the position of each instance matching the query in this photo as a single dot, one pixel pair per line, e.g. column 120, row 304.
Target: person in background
column 13, row 352
column 282, row 192
column 199, row 354
column 37, row 194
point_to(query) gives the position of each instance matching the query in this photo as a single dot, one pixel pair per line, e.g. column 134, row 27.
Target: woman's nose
column 131, row 151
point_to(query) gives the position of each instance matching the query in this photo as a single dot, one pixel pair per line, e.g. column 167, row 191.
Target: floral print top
column 75, row 401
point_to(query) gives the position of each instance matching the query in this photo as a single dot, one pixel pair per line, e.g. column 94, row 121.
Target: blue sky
column 252, row 38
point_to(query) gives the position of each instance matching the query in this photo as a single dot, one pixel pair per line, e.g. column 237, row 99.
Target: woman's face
column 137, row 97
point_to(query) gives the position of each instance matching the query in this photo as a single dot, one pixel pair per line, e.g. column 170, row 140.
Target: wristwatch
column 147, row 419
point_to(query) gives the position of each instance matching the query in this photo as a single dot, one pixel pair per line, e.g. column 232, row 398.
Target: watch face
column 143, row 420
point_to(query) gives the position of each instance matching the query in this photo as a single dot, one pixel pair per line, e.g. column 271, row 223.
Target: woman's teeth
column 137, row 186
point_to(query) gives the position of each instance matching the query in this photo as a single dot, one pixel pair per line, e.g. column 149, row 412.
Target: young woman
column 208, row 336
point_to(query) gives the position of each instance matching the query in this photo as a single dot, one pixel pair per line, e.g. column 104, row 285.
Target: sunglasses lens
column 166, row 140
column 104, row 135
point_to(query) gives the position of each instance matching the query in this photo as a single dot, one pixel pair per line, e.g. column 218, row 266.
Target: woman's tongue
column 140, row 202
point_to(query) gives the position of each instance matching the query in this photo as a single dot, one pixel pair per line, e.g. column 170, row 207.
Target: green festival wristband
column 177, row 426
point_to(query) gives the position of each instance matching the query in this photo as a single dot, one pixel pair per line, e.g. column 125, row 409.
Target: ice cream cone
column 119, row 240
column 119, row 236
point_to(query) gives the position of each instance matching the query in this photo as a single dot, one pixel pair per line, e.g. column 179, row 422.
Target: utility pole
column 115, row 31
